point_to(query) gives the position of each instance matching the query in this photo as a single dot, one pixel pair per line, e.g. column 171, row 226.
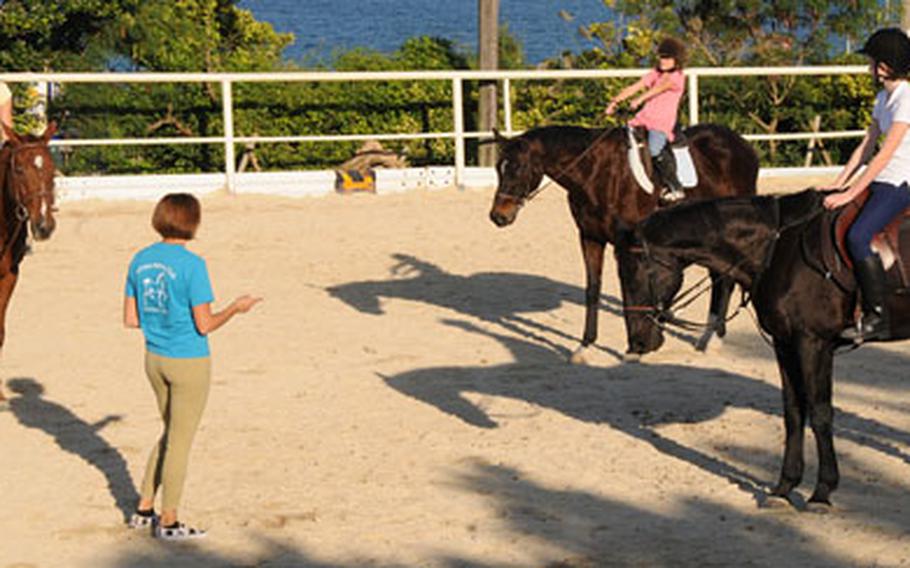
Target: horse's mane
column 701, row 218
column 570, row 135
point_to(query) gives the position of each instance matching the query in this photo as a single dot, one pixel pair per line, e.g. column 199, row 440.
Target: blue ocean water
column 546, row 28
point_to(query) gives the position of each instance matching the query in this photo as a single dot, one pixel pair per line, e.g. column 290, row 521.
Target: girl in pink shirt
column 663, row 88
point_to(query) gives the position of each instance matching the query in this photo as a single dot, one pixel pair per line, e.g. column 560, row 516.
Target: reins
column 662, row 316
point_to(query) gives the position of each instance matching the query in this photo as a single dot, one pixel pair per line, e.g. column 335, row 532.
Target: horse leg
column 7, row 284
column 791, row 473
column 817, row 361
column 593, row 252
column 721, row 290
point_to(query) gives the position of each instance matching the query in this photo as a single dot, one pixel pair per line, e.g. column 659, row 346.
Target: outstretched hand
column 246, row 302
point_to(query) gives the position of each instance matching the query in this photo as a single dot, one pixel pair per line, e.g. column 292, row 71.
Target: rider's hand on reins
column 836, row 200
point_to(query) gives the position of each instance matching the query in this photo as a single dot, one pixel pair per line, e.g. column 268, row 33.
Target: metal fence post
column 227, row 100
column 458, row 110
column 693, row 99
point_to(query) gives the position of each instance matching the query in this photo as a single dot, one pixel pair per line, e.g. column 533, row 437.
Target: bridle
column 521, row 200
column 20, row 205
column 31, row 196
column 663, row 317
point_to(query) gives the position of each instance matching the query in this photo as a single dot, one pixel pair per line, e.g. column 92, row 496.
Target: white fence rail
column 230, row 138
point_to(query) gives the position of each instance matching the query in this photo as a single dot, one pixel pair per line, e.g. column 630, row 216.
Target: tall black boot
column 876, row 319
column 665, row 167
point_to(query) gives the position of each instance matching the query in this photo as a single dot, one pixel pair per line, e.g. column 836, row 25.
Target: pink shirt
column 659, row 112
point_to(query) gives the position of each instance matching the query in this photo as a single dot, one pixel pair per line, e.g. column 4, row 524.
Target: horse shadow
column 633, row 399
column 75, row 436
column 422, row 281
column 593, row 530
column 870, row 367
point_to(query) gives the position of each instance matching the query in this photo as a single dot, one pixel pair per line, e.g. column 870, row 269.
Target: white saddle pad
column 685, row 168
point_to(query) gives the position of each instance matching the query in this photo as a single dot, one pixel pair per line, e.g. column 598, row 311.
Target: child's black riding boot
column 665, row 167
column 875, row 322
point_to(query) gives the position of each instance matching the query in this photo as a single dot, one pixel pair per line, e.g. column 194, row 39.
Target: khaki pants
column 182, row 388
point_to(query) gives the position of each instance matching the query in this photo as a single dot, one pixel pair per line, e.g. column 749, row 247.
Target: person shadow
column 75, row 436
column 500, row 298
column 634, row 399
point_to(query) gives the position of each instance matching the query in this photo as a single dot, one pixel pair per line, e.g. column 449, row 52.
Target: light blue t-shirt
column 167, row 281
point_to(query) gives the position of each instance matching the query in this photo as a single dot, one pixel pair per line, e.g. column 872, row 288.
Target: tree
column 39, row 35
column 167, row 35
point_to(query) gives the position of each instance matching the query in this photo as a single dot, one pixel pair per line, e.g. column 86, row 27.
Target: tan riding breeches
column 182, row 388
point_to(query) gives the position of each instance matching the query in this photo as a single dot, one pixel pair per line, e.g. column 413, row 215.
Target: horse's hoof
column 775, row 503
column 578, row 356
column 631, row 357
column 819, row 507
column 819, row 503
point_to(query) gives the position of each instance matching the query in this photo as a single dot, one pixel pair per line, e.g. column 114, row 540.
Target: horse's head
column 519, row 172
column 30, row 180
column 649, row 280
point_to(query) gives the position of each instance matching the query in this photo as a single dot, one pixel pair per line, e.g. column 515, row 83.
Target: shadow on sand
column 590, row 531
column 475, row 296
column 75, row 436
column 635, row 399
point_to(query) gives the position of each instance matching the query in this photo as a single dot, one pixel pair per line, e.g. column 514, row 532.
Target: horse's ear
column 10, row 133
column 49, row 131
column 498, row 137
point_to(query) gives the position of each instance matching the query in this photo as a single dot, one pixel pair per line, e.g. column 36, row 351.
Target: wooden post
column 816, row 144
column 810, row 148
column 488, row 47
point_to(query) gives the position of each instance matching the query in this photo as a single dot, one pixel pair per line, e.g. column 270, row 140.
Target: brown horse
column 27, row 202
column 592, row 165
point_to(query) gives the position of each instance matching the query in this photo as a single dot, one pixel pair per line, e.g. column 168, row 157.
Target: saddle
column 824, row 249
column 892, row 245
column 640, row 158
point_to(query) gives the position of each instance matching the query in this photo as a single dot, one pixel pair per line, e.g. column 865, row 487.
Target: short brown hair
column 177, row 216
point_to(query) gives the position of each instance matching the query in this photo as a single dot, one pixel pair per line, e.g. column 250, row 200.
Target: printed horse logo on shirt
column 154, row 294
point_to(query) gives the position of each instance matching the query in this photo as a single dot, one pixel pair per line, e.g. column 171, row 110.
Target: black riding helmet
column 890, row 46
column 672, row 47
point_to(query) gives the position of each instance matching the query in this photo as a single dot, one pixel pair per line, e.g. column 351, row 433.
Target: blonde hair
column 177, row 216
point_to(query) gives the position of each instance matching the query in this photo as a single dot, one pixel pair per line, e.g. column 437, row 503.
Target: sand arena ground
column 402, row 398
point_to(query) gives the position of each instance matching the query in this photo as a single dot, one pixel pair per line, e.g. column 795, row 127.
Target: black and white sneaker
column 143, row 520
column 178, row 531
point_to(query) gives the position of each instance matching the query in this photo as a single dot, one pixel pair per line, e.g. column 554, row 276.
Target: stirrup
column 672, row 196
column 179, row 532
column 865, row 330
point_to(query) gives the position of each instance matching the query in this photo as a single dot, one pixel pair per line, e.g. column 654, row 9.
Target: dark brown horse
column 27, row 203
column 592, row 165
column 773, row 247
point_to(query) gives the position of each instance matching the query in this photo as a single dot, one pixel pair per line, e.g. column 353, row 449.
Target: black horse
column 592, row 165
column 772, row 246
